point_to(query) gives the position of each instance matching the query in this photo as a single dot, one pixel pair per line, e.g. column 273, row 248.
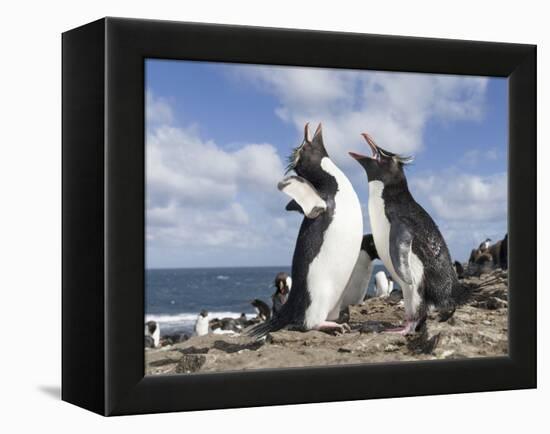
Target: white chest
column 381, row 226
column 201, row 327
column 359, row 280
column 331, row 269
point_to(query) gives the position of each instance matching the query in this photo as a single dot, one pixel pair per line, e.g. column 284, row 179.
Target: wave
column 222, row 277
column 191, row 316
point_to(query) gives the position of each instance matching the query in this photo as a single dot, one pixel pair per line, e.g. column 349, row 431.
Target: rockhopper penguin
column 283, row 284
column 202, row 327
column 152, row 331
column 328, row 242
column 407, row 239
column 357, row 286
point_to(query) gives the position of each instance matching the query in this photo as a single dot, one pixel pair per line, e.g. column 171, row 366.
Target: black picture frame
column 103, row 215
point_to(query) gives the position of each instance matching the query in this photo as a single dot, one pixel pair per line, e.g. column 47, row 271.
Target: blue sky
column 218, row 136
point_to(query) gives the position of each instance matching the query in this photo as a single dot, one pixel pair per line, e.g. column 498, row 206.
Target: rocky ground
column 477, row 329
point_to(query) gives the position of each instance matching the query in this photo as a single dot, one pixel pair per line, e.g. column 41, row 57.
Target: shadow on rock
column 193, row 350
column 229, row 347
column 421, row 343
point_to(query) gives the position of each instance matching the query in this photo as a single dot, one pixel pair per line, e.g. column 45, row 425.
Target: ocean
column 174, row 297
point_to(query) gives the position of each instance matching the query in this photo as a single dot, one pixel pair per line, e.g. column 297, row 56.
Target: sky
column 218, row 135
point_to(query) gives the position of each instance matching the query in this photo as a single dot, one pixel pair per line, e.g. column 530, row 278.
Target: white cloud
column 392, row 107
column 183, row 167
column 467, row 207
column 463, row 196
column 475, row 157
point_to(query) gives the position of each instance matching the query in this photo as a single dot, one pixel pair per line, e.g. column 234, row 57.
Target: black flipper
column 293, row 206
column 400, row 248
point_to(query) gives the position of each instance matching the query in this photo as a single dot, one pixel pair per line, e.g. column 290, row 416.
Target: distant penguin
column 243, row 319
column 283, row 284
column 152, row 330
column 485, row 261
column 262, row 309
column 328, row 242
column 484, row 245
column 459, row 269
column 407, row 239
column 382, row 284
column 357, row 286
column 202, row 324
column 149, row 342
column 473, row 255
column 226, row 324
column 499, row 253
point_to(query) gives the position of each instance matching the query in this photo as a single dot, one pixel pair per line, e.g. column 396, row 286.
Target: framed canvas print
column 258, row 216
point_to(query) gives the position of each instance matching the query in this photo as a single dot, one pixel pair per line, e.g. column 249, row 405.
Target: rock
column 229, row 347
column 374, row 327
column 491, row 303
column 173, row 339
column 190, row 363
column 395, row 297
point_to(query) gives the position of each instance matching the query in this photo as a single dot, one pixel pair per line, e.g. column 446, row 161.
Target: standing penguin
column 328, row 243
column 263, row 311
column 152, row 331
column 202, row 325
column 484, row 245
column 407, row 239
column 382, row 284
column 283, row 284
column 357, row 286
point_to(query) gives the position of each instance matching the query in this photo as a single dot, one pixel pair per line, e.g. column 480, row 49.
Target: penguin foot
column 334, row 327
column 408, row 328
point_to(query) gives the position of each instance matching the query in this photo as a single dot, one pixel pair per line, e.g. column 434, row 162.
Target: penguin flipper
column 293, row 206
column 304, row 194
column 400, row 248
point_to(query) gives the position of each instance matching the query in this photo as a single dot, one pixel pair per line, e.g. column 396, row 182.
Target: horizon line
column 214, row 267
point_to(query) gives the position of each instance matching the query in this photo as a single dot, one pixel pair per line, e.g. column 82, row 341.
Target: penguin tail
column 272, row 325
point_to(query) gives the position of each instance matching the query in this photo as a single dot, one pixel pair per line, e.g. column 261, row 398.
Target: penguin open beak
column 357, row 156
column 373, row 147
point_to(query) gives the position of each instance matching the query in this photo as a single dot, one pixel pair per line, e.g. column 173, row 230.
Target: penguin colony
column 333, row 260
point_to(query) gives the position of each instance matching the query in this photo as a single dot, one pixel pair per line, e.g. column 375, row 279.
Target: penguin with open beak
column 328, row 242
column 407, row 239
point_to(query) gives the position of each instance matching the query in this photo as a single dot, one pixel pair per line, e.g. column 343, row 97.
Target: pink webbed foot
column 331, row 326
column 408, row 328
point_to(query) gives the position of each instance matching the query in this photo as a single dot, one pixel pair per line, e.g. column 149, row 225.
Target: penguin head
column 368, row 246
column 306, row 159
column 283, row 282
column 151, row 326
column 204, row 313
column 384, row 165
